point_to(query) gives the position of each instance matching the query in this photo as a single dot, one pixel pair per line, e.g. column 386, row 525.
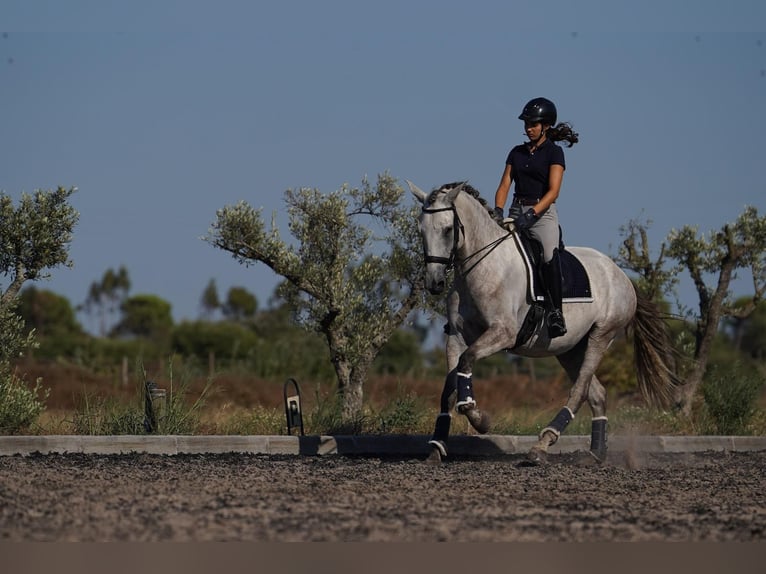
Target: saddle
column 575, row 280
column 574, row 277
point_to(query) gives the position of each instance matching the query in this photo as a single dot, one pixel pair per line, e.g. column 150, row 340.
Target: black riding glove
column 526, row 219
column 497, row 215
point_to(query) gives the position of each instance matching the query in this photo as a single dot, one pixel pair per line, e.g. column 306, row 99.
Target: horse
column 490, row 300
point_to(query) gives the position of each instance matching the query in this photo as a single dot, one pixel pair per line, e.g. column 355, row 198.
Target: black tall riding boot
column 555, row 319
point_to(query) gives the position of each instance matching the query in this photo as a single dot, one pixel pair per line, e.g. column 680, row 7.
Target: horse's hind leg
column 580, row 364
column 597, row 402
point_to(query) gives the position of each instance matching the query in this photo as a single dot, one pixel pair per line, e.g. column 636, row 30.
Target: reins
column 458, row 228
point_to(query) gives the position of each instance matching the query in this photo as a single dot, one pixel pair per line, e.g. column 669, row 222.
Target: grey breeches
column 545, row 229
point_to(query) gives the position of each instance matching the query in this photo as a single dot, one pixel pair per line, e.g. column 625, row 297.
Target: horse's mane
column 467, row 188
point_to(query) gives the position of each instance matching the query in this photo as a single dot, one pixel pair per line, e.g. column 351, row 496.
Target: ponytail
column 563, row 132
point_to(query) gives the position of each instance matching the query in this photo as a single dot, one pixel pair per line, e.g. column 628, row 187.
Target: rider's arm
column 501, row 195
column 555, row 177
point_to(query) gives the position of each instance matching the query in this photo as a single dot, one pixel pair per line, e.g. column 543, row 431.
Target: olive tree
column 35, row 236
column 354, row 273
column 712, row 262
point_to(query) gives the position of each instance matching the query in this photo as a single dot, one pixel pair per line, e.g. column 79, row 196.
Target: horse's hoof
column 479, row 420
column 598, row 455
column 536, row 456
column 586, row 458
column 438, row 452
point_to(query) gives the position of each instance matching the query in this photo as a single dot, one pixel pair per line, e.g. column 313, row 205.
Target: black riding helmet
column 539, row 110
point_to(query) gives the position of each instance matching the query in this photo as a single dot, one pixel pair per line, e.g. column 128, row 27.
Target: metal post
column 154, row 406
column 293, row 407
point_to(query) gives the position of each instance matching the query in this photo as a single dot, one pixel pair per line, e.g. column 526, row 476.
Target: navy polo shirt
column 530, row 171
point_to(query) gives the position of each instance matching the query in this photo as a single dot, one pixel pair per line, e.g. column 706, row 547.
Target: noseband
column 457, row 227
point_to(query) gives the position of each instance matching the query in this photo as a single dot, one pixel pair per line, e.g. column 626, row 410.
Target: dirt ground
column 236, row 497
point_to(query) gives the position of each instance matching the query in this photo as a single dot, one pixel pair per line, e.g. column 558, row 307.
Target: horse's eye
column 447, row 231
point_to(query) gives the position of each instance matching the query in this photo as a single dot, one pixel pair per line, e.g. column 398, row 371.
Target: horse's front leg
column 458, row 387
column 455, row 346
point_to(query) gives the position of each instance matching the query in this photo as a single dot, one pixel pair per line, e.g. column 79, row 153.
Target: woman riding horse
column 537, row 168
column 489, row 300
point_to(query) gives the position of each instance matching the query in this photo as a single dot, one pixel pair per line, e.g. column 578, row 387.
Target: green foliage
column 146, row 316
column 731, row 399
column 740, row 245
column 405, row 412
column 105, row 296
column 400, row 355
column 176, row 413
column 102, row 355
column 179, row 413
column 35, row 236
column 753, row 337
column 328, row 418
column 240, row 304
column 653, row 277
column 737, row 245
column 19, row 405
column 617, row 371
column 259, row 421
column 47, row 313
column 225, row 339
column 107, row 416
column 210, row 301
column 341, row 278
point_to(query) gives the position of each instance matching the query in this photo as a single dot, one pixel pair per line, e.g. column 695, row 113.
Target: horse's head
column 440, row 231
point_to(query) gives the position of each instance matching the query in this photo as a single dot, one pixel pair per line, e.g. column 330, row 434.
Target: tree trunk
column 706, row 332
column 685, row 394
column 350, row 390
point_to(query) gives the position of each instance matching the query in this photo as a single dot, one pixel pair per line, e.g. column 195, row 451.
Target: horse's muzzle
column 436, row 283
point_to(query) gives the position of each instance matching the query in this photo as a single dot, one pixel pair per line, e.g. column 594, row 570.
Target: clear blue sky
column 162, row 112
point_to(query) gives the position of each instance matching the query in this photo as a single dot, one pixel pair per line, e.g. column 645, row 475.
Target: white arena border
column 361, row 445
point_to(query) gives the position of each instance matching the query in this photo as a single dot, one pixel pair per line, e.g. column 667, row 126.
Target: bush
column 19, row 405
column 173, row 415
column 731, row 399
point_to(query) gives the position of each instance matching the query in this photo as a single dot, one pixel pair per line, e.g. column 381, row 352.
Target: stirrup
column 556, row 325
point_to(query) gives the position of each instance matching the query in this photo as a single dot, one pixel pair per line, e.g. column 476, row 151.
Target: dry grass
column 240, row 404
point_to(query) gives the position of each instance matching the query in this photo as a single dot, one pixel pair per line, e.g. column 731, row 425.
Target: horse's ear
column 417, row 192
column 452, row 193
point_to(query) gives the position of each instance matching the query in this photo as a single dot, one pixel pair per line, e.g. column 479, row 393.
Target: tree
column 240, row 304
column 210, row 302
column 753, row 340
column 106, row 296
column 34, row 237
column 343, row 281
column 145, row 316
column 737, row 245
column 53, row 320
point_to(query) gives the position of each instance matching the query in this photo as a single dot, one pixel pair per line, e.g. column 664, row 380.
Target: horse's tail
column 653, row 353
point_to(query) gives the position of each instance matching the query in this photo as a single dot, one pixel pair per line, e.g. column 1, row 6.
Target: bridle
column 457, row 229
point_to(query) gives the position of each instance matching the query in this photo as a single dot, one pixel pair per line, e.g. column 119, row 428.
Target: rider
column 537, row 168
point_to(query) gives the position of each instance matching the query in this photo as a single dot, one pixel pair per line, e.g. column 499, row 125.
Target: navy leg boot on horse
column 465, row 400
column 598, row 438
column 441, row 434
column 553, row 285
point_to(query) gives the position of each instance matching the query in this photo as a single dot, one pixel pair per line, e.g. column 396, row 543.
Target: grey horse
column 489, row 300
